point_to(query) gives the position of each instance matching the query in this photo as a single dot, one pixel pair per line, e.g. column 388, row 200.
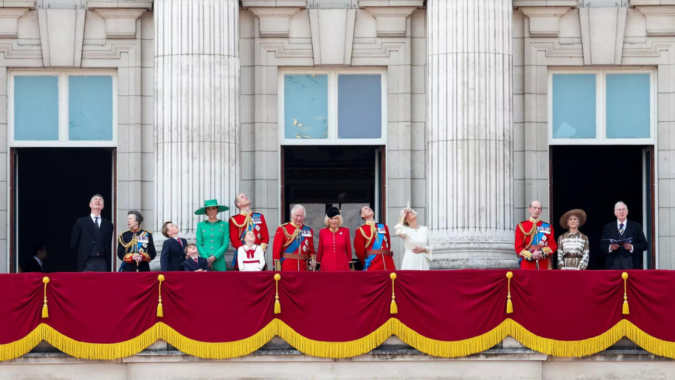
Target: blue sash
column 377, row 244
column 296, row 242
column 539, row 236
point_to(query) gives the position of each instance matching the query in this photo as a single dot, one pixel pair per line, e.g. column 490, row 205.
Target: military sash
column 300, row 243
column 377, row 244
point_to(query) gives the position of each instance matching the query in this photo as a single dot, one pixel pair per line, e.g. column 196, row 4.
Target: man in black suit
column 173, row 249
column 36, row 262
column 627, row 255
column 91, row 239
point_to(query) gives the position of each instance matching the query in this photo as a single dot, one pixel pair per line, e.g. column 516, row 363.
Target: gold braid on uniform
column 247, row 222
column 372, row 233
column 133, row 243
column 528, row 234
column 290, row 237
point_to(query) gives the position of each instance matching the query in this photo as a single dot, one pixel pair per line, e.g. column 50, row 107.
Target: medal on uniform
column 259, row 237
column 257, row 228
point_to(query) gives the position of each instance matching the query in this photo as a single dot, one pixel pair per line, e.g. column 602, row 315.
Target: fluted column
column 196, row 107
column 470, row 192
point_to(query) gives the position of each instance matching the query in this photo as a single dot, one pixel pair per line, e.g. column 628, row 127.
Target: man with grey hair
column 623, row 241
column 91, row 239
column 535, row 242
column 293, row 248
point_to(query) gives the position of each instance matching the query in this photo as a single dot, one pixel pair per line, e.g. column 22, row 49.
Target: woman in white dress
column 417, row 240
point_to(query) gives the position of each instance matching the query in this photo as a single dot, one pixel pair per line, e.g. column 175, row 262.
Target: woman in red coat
column 335, row 246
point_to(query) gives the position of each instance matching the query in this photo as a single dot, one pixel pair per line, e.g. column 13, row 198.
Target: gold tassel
column 45, row 310
column 160, row 308
column 393, row 309
column 625, row 310
column 509, row 304
column 277, row 305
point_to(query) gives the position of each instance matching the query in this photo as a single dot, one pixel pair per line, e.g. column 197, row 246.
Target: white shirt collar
column 38, row 260
column 618, row 223
column 93, row 218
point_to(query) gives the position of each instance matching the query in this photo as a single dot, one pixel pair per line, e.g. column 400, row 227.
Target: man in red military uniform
column 535, row 244
column 372, row 243
column 246, row 221
column 293, row 248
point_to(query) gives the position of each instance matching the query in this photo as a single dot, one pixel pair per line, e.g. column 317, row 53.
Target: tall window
column 332, row 107
column 67, row 108
column 602, row 106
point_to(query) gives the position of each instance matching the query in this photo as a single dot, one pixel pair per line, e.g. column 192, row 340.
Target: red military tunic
column 293, row 247
column 244, row 222
column 531, row 234
column 374, row 237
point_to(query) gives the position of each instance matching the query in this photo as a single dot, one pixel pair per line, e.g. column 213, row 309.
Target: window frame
column 601, row 107
column 332, row 106
column 64, row 138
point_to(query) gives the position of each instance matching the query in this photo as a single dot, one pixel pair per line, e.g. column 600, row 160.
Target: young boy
column 194, row 262
column 250, row 257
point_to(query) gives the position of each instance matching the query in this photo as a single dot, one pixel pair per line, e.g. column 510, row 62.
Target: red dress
column 335, row 250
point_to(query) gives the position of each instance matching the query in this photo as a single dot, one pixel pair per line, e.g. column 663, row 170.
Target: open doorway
column 52, row 188
column 594, row 178
column 319, row 177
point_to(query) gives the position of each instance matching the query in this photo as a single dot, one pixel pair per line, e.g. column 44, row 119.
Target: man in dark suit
column 36, row 262
column 173, row 249
column 91, row 239
column 627, row 255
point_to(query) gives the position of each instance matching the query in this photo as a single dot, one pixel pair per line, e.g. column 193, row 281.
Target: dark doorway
column 330, row 175
column 594, row 178
column 54, row 186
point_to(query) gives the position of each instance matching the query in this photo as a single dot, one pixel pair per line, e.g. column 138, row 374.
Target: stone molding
column 332, row 35
column 142, row 4
column 120, row 22
column 29, row 4
column 246, row 4
column 9, row 22
column 660, row 20
column 274, row 22
column 544, row 21
column 62, row 36
column 602, row 33
column 391, row 21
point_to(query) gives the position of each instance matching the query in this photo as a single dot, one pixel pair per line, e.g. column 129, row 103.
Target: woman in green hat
column 213, row 235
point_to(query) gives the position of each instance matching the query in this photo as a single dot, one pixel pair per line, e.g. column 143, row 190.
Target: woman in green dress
column 213, row 235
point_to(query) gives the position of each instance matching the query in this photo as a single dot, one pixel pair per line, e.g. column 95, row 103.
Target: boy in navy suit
column 194, row 262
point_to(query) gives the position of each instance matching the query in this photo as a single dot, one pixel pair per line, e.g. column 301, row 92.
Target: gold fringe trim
column 649, row 343
column 22, row 346
column 336, row 350
column 573, row 348
column 455, row 348
column 218, row 350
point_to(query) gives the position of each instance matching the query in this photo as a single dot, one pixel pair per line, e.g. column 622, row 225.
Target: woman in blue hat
column 213, row 235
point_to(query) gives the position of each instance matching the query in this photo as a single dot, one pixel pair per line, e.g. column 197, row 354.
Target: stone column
column 470, row 174
column 196, row 108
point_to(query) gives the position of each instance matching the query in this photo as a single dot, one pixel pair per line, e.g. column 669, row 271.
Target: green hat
column 211, row 203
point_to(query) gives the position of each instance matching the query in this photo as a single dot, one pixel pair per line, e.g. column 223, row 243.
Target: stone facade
column 236, row 137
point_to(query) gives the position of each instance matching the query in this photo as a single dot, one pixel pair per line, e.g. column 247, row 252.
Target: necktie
column 621, row 229
column 197, row 260
column 180, row 242
column 96, row 221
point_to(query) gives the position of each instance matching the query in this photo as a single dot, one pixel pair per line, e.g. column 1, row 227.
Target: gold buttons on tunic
column 211, row 241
